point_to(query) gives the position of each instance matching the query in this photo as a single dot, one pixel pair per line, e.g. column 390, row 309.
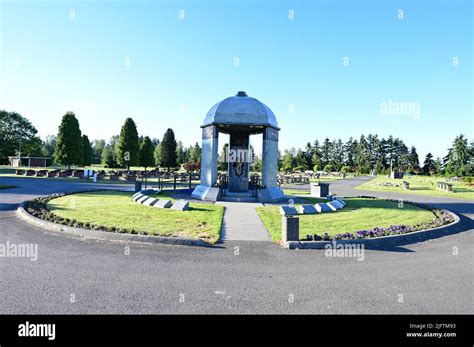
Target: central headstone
column 238, row 167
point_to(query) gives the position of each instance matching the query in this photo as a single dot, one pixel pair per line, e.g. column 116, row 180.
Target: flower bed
column 442, row 218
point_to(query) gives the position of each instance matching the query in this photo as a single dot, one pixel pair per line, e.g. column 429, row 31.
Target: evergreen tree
column 326, row 151
column 338, row 154
column 48, row 146
column 316, row 154
column 363, row 156
column 86, row 151
column 438, row 166
column 180, row 153
column 97, row 148
column 289, row 160
column 308, row 157
column 157, row 154
column 128, row 145
column 168, row 150
column 108, row 158
column 68, row 150
column 428, row 164
column 389, row 151
column 459, row 158
column 413, row 161
column 195, row 153
column 222, row 160
column 146, row 153
column 350, row 151
column 300, row 160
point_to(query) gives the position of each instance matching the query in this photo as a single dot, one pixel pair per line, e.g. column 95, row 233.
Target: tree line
column 71, row 147
column 363, row 155
column 124, row 150
column 369, row 153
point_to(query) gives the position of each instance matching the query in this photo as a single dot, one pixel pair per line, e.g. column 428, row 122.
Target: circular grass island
column 113, row 211
column 116, row 212
column 358, row 219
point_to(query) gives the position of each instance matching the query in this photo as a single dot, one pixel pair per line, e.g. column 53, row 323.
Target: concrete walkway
column 241, row 222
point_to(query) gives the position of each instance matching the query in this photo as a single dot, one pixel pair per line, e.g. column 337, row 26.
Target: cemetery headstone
column 307, row 209
column 322, row 207
column 180, row 205
column 337, row 203
column 137, row 196
column 142, row 199
column 288, row 210
column 150, row 202
column 163, row 204
column 333, row 206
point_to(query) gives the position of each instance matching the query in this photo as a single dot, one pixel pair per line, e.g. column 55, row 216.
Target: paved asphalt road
column 260, row 278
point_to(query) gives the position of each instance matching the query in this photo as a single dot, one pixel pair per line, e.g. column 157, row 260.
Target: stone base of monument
column 270, row 195
column 290, row 228
column 319, row 189
column 206, row 193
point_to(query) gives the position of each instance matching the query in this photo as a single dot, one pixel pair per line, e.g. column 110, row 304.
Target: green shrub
column 328, row 168
column 345, row 169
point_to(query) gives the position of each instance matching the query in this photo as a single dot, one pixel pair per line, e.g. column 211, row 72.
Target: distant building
column 29, row 161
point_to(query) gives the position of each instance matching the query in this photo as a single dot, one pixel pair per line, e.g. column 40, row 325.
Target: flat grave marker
column 308, row 209
column 180, row 205
column 163, row 204
column 322, row 207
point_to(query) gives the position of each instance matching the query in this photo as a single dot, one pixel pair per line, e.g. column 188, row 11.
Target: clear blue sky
column 73, row 55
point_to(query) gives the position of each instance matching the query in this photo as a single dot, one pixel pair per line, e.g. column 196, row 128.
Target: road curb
column 90, row 234
column 390, row 240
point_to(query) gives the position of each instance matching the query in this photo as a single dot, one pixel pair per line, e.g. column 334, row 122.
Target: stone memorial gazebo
column 239, row 116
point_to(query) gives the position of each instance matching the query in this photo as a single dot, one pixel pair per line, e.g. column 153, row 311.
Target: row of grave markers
column 330, row 206
column 141, row 198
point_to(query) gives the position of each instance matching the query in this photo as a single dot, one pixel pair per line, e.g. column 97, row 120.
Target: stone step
column 247, row 194
column 238, row 199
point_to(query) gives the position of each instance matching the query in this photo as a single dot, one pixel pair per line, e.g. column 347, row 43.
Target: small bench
column 131, row 178
column 41, row 173
column 78, row 173
column 62, row 174
column 52, row 173
column 446, row 187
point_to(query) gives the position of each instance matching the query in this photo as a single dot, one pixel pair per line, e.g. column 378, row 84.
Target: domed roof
column 240, row 110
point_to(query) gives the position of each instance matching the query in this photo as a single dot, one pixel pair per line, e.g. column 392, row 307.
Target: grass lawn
column 422, row 185
column 296, row 192
column 201, row 221
column 359, row 214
